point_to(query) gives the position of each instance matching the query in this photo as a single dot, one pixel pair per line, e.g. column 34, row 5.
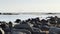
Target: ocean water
column 12, row 18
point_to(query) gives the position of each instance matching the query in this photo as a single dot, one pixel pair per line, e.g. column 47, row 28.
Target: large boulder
column 54, row 30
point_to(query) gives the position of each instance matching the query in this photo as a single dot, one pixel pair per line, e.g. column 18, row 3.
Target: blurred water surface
column 22, row 17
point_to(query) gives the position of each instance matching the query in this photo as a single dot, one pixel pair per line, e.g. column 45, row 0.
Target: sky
column 30, row 6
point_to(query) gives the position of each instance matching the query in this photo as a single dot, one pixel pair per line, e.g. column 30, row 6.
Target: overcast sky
column 29, row 5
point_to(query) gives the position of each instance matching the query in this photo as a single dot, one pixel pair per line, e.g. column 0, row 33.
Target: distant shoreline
column 9, row 13
column 36, row 13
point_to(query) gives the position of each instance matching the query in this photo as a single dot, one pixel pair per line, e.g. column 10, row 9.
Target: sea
column 12, row 18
